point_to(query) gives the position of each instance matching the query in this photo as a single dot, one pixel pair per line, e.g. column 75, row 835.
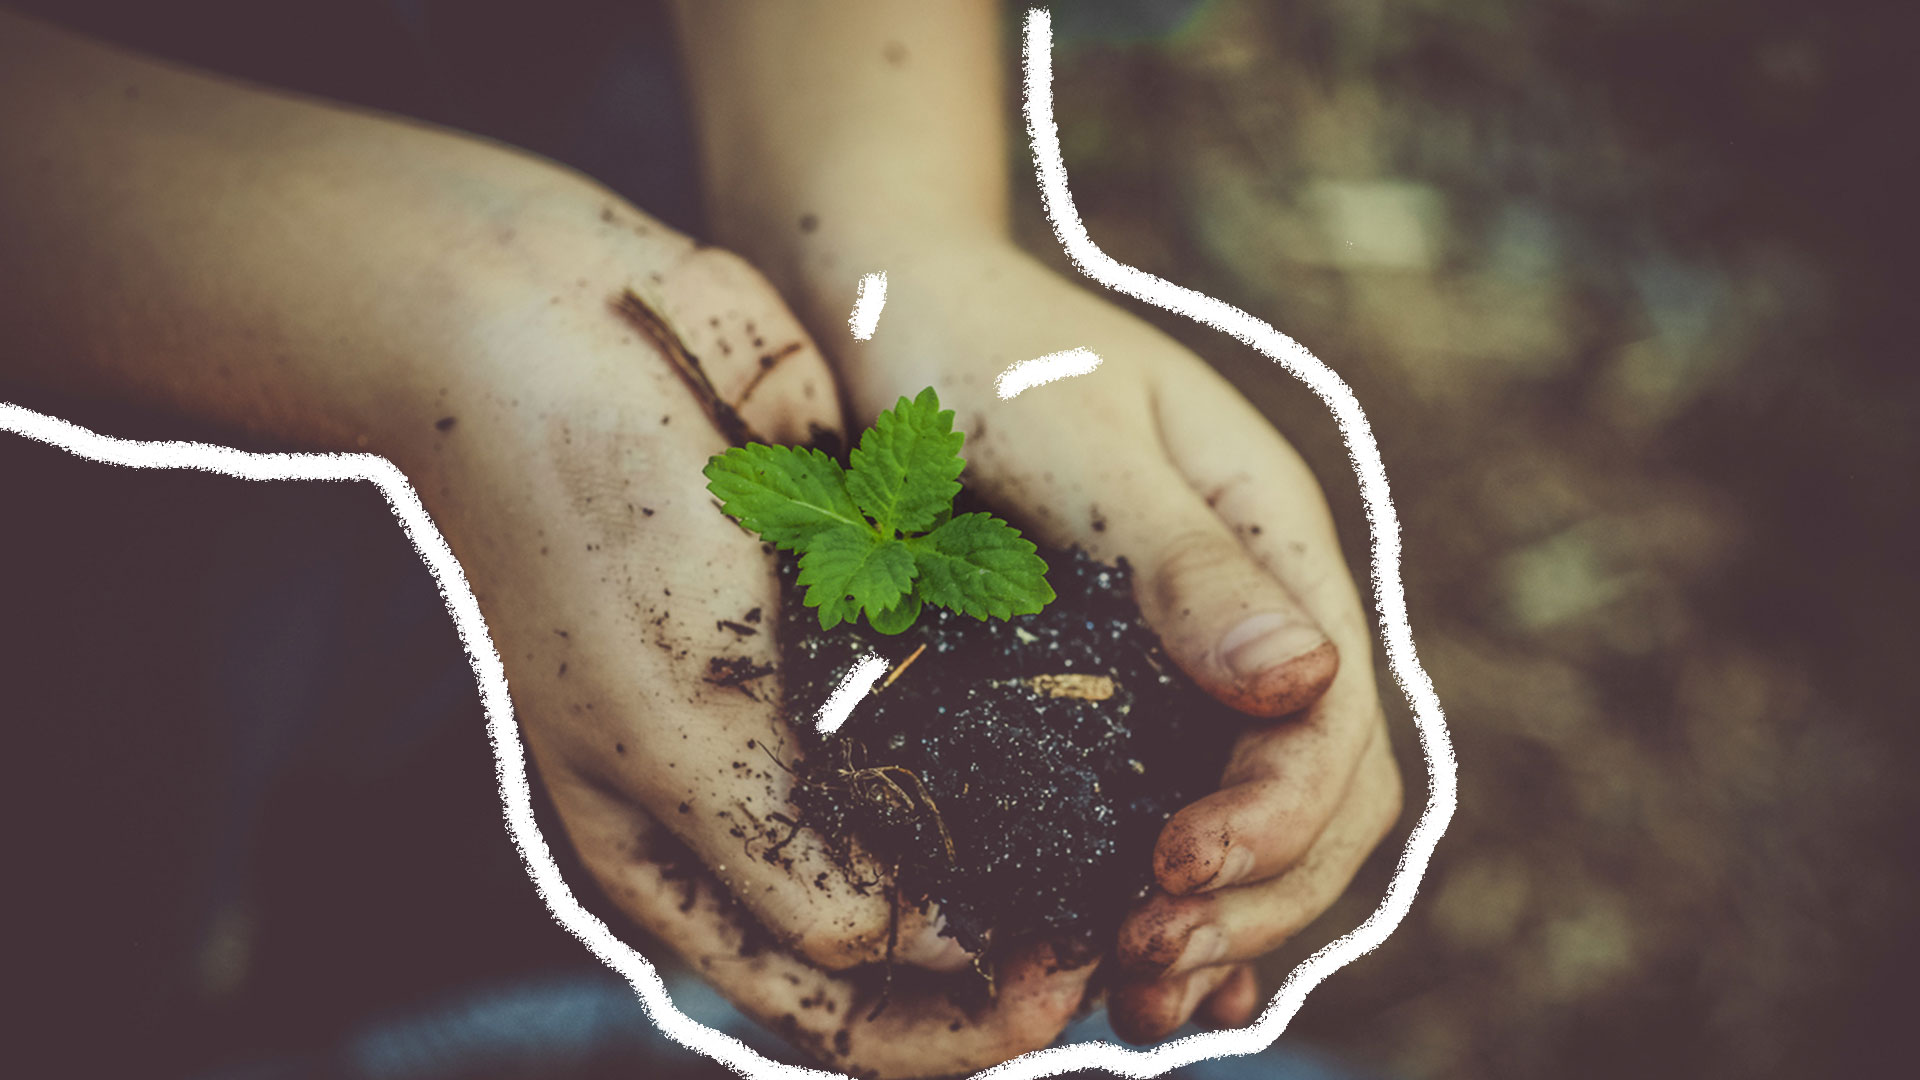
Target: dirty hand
column 1155, row 458
column 637, row 626
column 326, row 279
column 894, row 158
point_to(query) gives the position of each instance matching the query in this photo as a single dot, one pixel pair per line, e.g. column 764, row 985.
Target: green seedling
column 879, row 537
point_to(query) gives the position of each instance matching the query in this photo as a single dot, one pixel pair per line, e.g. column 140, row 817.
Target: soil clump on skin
column 1015, row 772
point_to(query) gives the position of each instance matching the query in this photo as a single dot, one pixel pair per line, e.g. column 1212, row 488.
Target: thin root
column 884, row 774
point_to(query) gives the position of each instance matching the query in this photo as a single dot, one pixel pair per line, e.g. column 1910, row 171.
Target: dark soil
column 1018, row 807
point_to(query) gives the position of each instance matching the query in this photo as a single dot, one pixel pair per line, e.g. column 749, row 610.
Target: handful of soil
column 1015, row 772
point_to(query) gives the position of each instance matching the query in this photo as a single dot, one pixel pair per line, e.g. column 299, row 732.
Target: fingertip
column 1159, row 933
column 1278, row 674
column 1233, row 627
column 1139, row 1010
column 1144, row 1011
column 924, row 943
column 1233, row 1004
column 1041, row 988
column 1183, row 860
column 1188, row 861
column 1196, row 851
column 1243, row 833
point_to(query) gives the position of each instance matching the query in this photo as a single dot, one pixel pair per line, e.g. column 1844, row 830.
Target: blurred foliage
column 1614, row 280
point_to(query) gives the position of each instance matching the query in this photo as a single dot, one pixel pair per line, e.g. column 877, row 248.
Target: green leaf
column 978, row 565
column 897, row 618
column 907, row 467
column 847, row 524
column 787, row 495
column 847, row 568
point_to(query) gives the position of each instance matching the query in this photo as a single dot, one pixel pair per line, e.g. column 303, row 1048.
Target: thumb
column 1229, row 624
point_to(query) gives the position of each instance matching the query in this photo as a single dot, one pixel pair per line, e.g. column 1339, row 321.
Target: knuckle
column 1186, row 571
column 1193, row 552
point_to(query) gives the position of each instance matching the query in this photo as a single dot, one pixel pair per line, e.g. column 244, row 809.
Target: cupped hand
column 327, row 279
column 637, row 625
column 1155, row 458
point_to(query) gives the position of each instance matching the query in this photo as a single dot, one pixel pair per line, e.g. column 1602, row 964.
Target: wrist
column 816, row 257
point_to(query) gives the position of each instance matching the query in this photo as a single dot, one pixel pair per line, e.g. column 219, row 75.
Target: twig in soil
column 1073, row 685
column 901, row 667
column 651, row 323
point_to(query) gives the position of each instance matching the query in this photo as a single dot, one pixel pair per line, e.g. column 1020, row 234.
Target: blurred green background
column 1617, row 283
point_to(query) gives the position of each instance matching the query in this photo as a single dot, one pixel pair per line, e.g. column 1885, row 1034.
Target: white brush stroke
column 510, row 765
column 1389, row 599
column 867, row 302
column 1041, row 370
column 854, row 686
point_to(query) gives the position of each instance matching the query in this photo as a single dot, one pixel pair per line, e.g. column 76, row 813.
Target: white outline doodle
column 1388, row 594
column 510, row 759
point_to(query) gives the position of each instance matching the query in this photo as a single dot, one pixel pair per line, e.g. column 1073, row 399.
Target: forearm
column 239, row 256
column 848, row 130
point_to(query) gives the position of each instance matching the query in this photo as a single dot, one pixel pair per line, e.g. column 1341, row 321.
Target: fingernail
column 1233, row 868
column 1205, row 946
column 931, row 949
column 1267, row 640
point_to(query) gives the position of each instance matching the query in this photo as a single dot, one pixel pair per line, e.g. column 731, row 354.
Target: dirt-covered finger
column 1166, row 932
column 1234, row 1003
column 1148, row 1010
column 625, row 849
column 1034, row 999
column 836, row 1019
column 644, row 659
column 1267, row 496
column 1173, row 935
column 1279, row 790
